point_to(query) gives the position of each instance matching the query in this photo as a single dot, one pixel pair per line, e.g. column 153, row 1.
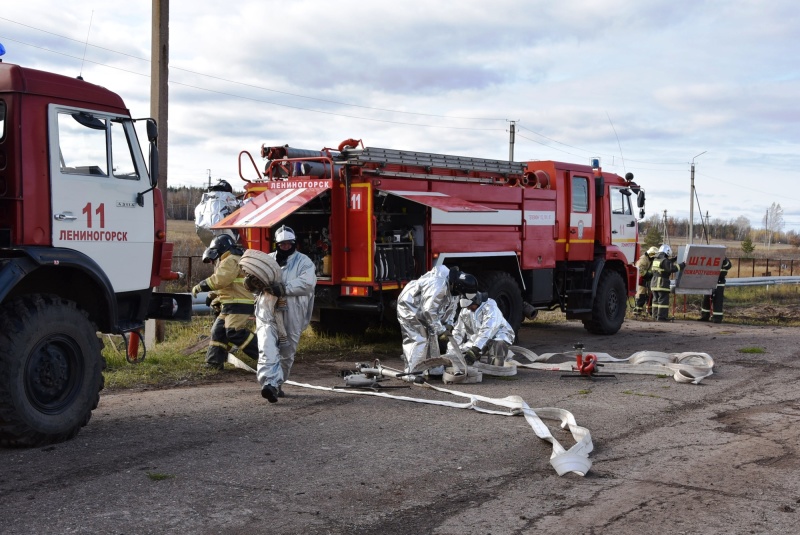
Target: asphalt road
column 719, row 457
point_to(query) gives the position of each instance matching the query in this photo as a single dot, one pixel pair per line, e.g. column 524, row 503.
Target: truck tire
column 51, row 370
column 502, row 287
column 608, row 309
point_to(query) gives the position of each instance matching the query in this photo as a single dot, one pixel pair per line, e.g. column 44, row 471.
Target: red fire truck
column 82, row 245
column 539, row 235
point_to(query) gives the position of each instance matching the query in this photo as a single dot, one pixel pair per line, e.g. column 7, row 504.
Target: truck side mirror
column 640, row 199
column 153, row 164
column 152, row 130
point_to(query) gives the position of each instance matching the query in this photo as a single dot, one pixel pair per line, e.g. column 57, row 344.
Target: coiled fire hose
column 266, row 269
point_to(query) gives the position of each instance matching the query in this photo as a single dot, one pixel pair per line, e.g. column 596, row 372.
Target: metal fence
column 761, row 267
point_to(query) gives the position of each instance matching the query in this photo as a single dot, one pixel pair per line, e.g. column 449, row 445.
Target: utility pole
column 666, row 232
column 511, row 132
column 159, row 97
column 691, row 202
column 209, row 177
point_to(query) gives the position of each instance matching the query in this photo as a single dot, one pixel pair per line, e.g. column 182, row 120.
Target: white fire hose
column 688, row 367
column 575, row 459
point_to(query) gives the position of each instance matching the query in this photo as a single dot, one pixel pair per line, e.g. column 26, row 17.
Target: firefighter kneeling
column 481, row 330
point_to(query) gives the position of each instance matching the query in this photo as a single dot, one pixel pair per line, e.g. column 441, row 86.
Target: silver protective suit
column 274, row 361
column 424, row 308
column 486, row 329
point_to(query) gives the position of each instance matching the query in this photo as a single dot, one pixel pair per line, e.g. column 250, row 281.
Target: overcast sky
column 645, row 86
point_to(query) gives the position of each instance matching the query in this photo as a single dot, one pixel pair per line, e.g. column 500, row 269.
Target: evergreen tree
column 652, row 238
column 748, row 247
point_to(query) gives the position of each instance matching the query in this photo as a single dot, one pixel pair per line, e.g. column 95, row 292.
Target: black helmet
column 221, row 185
column 220, row 245
column 462, row 283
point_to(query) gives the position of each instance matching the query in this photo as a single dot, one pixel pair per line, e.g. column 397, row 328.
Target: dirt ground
column 719, row 457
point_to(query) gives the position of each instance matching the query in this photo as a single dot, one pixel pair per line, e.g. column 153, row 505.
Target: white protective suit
column 213, row 208
column 274, row 361
column 424, row 308
column 486, row 329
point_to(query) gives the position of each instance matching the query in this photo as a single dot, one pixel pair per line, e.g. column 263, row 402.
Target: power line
column 242, row 83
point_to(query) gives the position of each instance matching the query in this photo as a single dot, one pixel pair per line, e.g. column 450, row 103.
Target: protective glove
column 216, row 308
column 209, row 299
column 278, row 289
column 444, row 335
column 253, row 284
column 682, row 265
column 472, row 355
column 196, row 290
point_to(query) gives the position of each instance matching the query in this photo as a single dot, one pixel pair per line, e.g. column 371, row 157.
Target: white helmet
column 652, row 251
column 285, row 234
column 666, row 249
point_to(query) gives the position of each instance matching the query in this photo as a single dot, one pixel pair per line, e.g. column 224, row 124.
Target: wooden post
column 159, row 99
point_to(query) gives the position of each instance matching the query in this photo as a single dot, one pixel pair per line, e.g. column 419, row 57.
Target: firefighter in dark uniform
column 717, row 297
column 663, row 267
column 232, row 327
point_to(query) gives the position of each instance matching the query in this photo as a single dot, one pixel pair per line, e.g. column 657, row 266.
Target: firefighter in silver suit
column 296, row 288
column 426, row 309
column 481, row 330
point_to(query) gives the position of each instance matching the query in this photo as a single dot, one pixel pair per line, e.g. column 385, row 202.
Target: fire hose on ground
column 685, row 367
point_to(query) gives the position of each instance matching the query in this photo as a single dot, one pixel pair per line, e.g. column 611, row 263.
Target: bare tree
column 773, row 222
column 742, row 226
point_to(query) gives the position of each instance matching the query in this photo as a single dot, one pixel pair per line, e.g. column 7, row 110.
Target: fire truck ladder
column 460, row 166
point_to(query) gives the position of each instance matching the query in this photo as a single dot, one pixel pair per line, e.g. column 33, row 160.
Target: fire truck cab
column 82, row 245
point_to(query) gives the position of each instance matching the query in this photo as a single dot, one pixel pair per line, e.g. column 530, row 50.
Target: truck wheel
column 51, row 370
column 505, row 291
column 608, row 310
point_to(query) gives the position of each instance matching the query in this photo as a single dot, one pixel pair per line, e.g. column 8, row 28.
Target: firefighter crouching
column 481, row 330
column 426, row 310
column 235, row 302
column 663, row 267
column 717, row 297
column 644, row 265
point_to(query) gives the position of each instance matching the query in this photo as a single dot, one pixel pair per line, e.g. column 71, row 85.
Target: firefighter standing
column 226, row 287
column 426, row 309
column 481, row 329
column 663, row 267
column 717, row 297
column 645, row 276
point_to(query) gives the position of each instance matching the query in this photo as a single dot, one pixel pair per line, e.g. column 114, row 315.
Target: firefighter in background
column 717, row 297
column 232, row 327
column 426, row 309
column 295, row 292
column 481, row 330
column 645, row 275
column 663, row 267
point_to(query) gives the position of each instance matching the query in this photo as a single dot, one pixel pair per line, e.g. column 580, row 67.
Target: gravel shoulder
column 719, row 457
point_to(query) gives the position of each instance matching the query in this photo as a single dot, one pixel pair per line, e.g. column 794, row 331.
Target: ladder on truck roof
column 430, row 161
